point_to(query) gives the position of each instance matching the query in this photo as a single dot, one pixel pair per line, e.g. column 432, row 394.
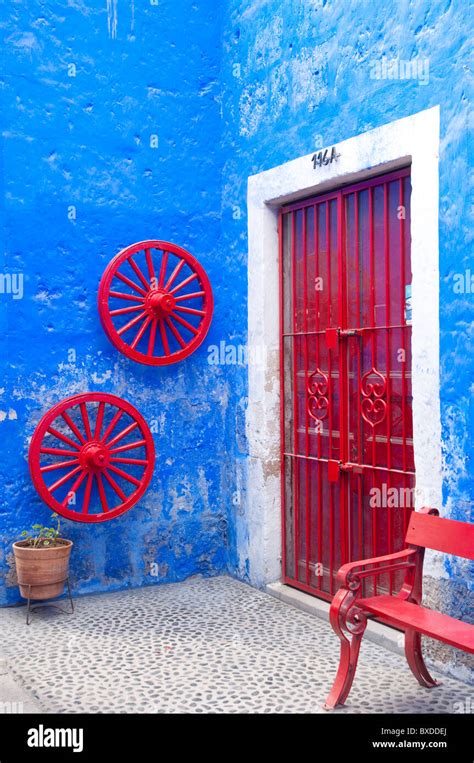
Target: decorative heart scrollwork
column 318, row 403
column 373, row 387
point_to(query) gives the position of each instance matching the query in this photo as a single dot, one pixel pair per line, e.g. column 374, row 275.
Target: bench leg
column 415, row 660
column 345, row 617
column 346, row 671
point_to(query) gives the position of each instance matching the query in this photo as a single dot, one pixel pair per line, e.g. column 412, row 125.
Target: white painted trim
column 415, row 139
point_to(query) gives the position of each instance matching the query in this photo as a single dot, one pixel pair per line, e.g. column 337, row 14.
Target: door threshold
column 380, row 634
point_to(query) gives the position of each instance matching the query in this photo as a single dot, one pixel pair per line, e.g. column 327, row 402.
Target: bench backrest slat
column 447, row 535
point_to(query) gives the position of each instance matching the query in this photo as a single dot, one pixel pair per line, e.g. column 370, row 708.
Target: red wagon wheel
column 155, row 302
column 91, row 457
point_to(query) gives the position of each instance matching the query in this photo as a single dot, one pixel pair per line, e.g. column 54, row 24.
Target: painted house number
column 324, row 157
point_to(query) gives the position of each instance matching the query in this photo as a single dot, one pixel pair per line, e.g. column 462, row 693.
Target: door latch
column 333, row 334
column 336, row 467
column 349, row 332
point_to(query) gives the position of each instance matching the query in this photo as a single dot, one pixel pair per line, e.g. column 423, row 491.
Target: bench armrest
column 388, row 562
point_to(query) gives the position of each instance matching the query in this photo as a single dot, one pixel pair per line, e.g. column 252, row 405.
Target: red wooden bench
column 349, row 612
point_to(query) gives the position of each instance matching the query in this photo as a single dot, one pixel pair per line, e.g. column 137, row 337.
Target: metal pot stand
column 31, row 607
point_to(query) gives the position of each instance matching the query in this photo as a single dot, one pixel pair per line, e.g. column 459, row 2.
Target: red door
column 346, row 419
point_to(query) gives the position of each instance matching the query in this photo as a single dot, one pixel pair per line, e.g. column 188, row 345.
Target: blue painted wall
column 230, row 89
column 83, row 141
column 297, row 76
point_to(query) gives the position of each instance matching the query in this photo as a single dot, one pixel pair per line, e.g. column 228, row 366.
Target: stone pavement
column 204, row 645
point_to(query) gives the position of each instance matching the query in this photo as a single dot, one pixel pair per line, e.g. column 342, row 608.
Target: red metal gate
column 346, row 420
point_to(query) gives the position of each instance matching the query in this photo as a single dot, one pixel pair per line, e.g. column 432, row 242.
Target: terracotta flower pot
column 45, row 569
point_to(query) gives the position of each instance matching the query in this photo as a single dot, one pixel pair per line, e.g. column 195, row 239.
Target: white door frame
column 413, row 139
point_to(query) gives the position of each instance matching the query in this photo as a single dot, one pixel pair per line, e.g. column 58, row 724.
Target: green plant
column 42, row 536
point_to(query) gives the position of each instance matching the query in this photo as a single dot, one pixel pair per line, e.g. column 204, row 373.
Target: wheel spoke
column 59, row 465
column 186, row 325
column 174, row 274
column 184, row 283
column 175, row 333
column 190, row 296
column 139, row 273
column 149, row 262
column 164, row 264
column 125, row 310
column 99, row 420
column 164, row 338
column 75, row 487
column 130, row 283
column 63, row 437
column 58, row 452
column 73, row 427
column 123, row 434
column 114, row 485
column 64, row 479
column 112, row 425
column 87, row 493
column 124, row 475
column 140, row 332
column 128, row 297
column 137, row 461
column 85, row 421
column 152, row 337
column 190, row 310
column 131, row 323
column 129, row 446
column 103, row 498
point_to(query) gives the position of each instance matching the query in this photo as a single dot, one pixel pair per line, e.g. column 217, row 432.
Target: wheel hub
column 95, row 456
column 160, row 303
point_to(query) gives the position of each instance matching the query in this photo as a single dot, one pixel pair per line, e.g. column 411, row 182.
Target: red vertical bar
column 330, row 446
column 360, row 479
column 305, row 351
column 319, row 508
column 342, row 360
column 372, row 270
column 282, row 400
column 403, row 330
column 294, row 340
column 373, row 322
column 388, row 367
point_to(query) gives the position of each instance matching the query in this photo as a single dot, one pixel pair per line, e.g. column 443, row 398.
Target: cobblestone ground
column 205, row 645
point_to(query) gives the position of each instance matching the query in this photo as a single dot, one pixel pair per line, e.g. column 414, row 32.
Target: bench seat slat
column 447, row 535
column 404, row 614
